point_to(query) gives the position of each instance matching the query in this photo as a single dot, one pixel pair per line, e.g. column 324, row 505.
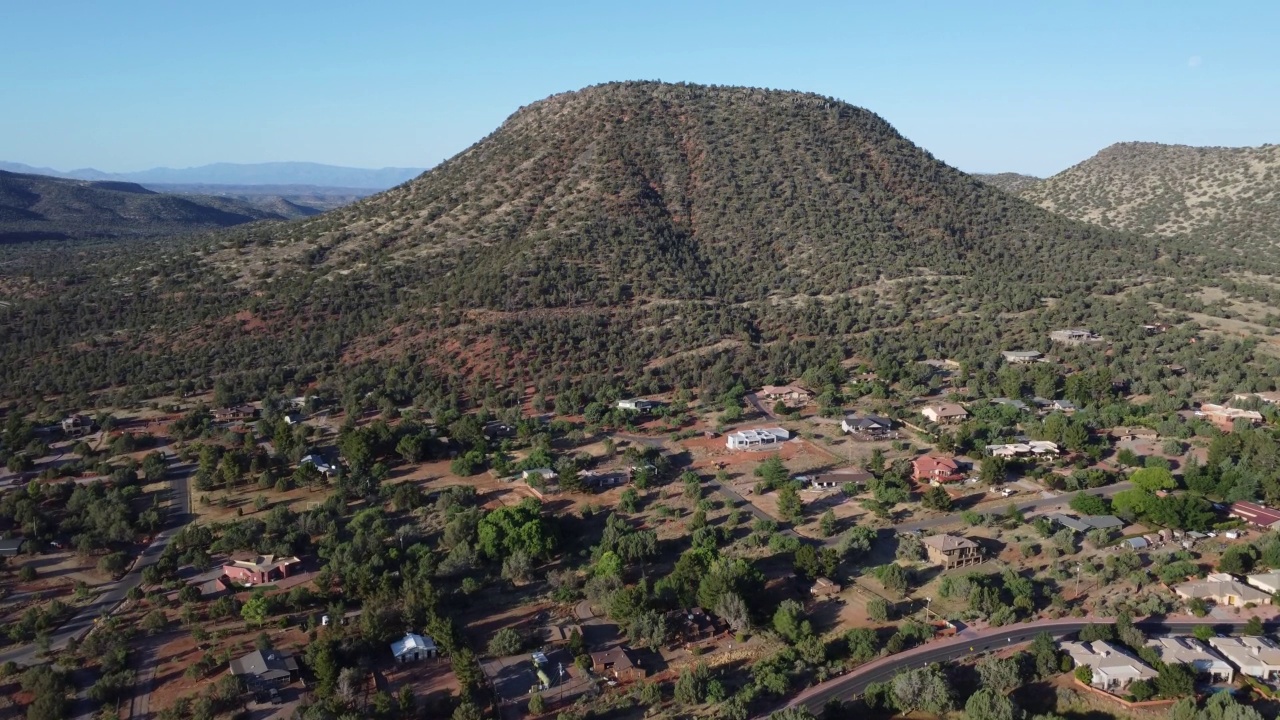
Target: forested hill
column 36, row 207
column 1228, row 196
column 1015, row 183
column 645, row 233
column 656, row 191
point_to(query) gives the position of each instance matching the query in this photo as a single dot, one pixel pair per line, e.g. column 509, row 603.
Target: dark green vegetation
column 1015, row 183
column 36, row 207
column 636, row 234
column 1225, row 197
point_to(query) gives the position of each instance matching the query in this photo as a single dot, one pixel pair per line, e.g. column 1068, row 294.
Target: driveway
column 115, row 593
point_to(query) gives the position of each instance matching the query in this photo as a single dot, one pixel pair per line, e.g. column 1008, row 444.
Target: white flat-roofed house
column 1253, row 656
column 1175, row 650
column 755, row 439
column 1113, row 668
column 637, row 404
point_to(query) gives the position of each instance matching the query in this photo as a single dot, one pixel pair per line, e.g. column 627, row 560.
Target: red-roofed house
column 1255, row 514
column 259, row 569
column 935, row 469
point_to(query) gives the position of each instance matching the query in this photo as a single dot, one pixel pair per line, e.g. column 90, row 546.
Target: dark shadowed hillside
column 39, row 207
column 664, row 234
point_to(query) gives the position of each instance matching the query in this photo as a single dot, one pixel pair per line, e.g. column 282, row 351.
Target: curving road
column 855, row 683
column 115, row 593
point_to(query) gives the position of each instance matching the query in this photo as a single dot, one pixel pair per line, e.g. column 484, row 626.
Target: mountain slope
column 688, row 192
column 664, row 234
column 1227, row 196
column 39, row 207
column 1015, row 183
column 272, row 173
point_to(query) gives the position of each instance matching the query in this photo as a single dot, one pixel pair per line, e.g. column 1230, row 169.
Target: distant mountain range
column 1009, row 182
column 273, row 173
column 38, row 207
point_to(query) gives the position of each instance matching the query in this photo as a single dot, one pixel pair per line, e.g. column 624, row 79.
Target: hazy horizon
column 986, row 88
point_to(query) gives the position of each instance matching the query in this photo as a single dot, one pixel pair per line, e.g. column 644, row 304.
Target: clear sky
column 1024, row 86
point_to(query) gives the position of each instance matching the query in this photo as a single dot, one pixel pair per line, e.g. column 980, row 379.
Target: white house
column 1254, row 656
column 547, row 474
column 637, row 405
column 1174, row 650
column 414, row 647
column 319, row 462
column 755, row 439
column 1033, row 447
column 1266, row 582
column 1113, row 668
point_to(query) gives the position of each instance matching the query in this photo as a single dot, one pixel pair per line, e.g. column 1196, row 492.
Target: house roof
column 411, row 642
column 1248, row 651
column 1255, row 513
column 783, row 390
column 1070, row 522
column 266, row 664
column 841, row 476
column 11, row 543
column 1269, row 582
column 618, row 657
column 1229, row 412
column 263, row 563
column 945, row 542
column 1173, row 650
column 867, row 421
column 1221, row 585
column 1134, row 431
column 1107, row 660
column 1137, row 543
column 1109, row 522
column 947, row 410
column 1021, row 353
column 931, row 463
column 761, row 434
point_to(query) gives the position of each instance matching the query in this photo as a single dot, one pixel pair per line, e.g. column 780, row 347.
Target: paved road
column 115, row 593
column 853, row 684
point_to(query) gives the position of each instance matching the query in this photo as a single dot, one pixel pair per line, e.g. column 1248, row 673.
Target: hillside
column 670, row 234
column 1227, row 196
column 40, row 207
column 1015, row 183
column 659, row 191
column 271, row 173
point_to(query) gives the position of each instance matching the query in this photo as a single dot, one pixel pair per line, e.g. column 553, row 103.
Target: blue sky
column 986, row 86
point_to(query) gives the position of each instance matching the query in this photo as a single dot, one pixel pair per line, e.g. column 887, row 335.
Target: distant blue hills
column 272, row 173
